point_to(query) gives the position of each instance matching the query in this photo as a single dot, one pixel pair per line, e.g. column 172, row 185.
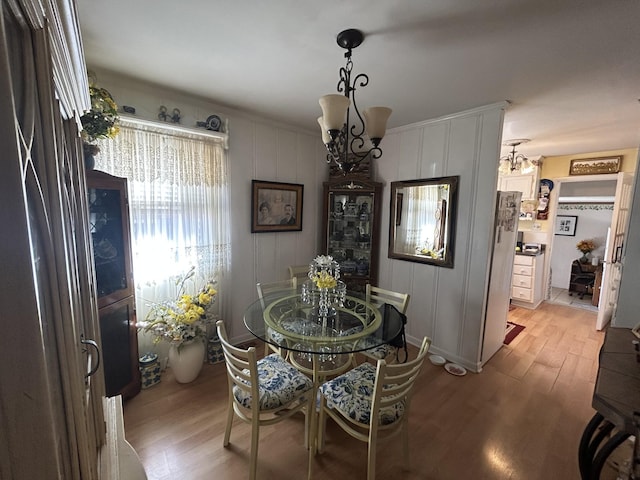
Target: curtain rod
column 224, row 137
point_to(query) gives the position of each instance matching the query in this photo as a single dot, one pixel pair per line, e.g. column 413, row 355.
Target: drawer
column 522, row 270
column 524, row 294
column 524, row 260
column 522, row 281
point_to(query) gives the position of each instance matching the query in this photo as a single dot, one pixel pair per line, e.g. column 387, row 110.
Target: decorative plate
column 545, row 182
column 213, row 123
column 437, row 360
column 455, row 369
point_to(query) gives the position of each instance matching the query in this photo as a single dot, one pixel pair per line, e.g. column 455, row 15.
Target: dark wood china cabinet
column 110, row 235
column 351, row 228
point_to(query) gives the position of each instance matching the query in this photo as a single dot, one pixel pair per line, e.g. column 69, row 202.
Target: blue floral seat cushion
column 279, row 384
column 378, row 351
column 370, row 345
column 351, row 394
column 276, row 337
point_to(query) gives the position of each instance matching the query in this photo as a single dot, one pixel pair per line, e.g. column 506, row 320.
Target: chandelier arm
column 364, row 80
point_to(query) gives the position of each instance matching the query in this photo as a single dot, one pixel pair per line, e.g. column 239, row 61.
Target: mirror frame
column 450, row 222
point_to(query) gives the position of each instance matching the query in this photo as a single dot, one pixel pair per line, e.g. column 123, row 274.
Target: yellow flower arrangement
column 429, row 252
column 325, row 280
column 183, row 320
column 586, row 246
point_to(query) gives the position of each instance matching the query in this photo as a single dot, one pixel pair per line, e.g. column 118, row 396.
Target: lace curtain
column 422, row 205
column 179, row 206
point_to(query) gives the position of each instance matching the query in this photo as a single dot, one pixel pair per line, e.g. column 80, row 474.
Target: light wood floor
column 521, row 418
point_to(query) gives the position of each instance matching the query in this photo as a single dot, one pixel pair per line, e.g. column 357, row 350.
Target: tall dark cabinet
column 351, row 228
column 110, row 235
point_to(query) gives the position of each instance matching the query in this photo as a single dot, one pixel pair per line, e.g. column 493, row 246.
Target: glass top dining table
column 286, row 319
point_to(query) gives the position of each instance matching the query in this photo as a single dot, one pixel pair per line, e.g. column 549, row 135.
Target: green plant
column 102, row 120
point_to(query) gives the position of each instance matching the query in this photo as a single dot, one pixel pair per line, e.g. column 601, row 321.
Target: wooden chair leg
column 255, row 435
column 322, row 423
column 227, row 430
column 371, row 456
column 311, row 432
column 405, row 444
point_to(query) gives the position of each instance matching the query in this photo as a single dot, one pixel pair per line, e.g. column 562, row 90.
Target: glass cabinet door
column 105, row 218
column 351, row 230
column 109, row 229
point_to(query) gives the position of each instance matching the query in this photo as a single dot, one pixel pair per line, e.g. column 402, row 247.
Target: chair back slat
column 379, row 296
column 241, row 364
column 395, row 382
column 264, row 289
column 300, row 272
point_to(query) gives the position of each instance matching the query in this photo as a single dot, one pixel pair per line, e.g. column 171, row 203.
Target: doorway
column 595, row 206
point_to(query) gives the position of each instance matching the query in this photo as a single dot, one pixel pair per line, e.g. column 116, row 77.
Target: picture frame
column 276, row 206
column 565, row 225
column 595, row 166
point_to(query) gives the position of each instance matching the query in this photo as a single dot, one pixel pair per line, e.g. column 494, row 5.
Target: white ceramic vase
column 186, row 362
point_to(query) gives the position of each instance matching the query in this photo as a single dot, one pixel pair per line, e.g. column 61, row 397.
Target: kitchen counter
column 539, row 251
column 531, row 254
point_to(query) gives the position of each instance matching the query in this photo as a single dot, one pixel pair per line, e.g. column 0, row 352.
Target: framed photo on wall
column 276, row 207
column 566, row 225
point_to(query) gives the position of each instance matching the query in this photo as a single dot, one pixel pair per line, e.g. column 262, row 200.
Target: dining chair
column 372, row 402
column 263, row 392
column 301, row 272
column 378, row 297
column 265, row 289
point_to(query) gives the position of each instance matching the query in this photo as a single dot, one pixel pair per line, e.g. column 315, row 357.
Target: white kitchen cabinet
column 527, row 280
column 527, row 184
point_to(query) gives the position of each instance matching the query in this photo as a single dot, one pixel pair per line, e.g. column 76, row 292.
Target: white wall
column 593, row 221
column 447, row 305
column 258, row 149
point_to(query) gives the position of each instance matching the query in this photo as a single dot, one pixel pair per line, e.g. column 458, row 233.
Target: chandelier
column 515, row 161
column 349, row 143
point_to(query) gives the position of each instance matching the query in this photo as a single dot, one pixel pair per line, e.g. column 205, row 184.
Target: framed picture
column 592, row 166
column 276, row 207
column 566, row 225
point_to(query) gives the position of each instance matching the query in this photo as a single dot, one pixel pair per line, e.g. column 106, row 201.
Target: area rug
column 513, row 329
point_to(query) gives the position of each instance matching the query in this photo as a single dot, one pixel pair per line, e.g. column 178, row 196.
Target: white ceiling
column 569, row 68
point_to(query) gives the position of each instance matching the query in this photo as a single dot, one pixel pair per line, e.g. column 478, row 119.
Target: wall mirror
column 422, row 220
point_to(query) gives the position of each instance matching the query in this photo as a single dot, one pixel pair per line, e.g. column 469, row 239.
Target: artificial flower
column 586, row 246
column 183, row 320
column 325, row 280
